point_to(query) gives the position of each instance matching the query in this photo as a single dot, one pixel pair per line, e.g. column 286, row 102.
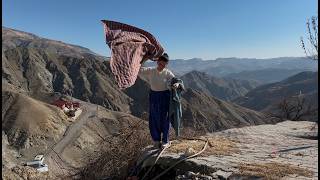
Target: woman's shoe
column 165, row 145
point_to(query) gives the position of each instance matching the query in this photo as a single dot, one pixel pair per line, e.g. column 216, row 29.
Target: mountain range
column 260, row 70
column 265, row 76
column 267, row 97
column 34, row 69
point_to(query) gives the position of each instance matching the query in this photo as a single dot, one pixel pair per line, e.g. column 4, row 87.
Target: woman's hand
column 175, row 85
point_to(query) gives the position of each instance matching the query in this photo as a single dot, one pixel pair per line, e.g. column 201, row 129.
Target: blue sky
column 205, row 29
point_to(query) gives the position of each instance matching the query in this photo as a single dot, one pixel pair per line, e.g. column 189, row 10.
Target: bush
column 119, row 154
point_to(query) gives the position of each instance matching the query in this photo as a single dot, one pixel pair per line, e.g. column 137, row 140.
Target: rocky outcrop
column 265, row 151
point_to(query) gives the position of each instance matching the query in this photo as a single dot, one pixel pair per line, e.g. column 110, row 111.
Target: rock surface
column 278, row 151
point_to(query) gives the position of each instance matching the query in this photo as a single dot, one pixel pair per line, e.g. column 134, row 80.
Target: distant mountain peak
column 13, row 32
column 12, row 38
column 197, row 73
column 195, row 59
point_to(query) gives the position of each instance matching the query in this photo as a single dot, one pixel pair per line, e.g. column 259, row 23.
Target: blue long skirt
column 159, row 115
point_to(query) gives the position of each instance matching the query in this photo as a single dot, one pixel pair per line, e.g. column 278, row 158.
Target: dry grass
column 273, row 170
column 217, row 146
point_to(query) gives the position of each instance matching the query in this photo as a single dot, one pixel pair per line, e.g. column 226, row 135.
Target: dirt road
column 54, row 156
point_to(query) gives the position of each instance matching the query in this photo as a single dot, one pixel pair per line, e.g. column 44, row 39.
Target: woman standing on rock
column 159, row 79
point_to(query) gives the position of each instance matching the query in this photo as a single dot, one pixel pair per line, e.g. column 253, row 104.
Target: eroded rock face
column 264, row 151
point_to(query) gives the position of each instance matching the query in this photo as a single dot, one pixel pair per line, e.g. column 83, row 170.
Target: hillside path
column 54, row 156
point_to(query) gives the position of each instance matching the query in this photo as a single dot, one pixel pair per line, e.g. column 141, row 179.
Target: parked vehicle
column 40, row 167
column 38, row 164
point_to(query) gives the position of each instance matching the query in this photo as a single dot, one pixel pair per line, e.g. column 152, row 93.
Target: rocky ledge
column 287, row 150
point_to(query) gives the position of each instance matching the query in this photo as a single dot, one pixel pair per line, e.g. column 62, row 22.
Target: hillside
column 28, row 122
column 265, row 76
column 37, row 70
column 267, row 97
column 31, row 127
column 207, row 113
column 225, row 89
